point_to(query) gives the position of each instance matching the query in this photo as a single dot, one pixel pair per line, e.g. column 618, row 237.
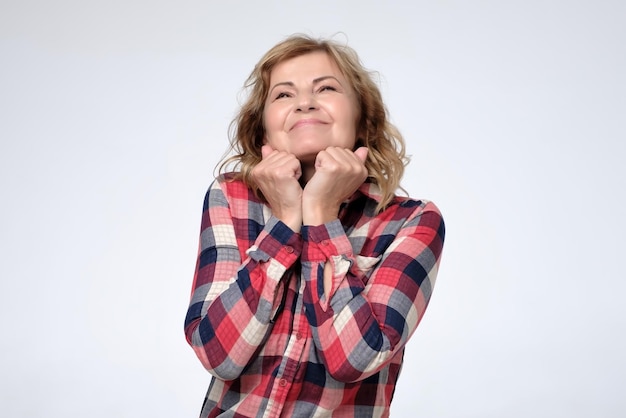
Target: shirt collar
column 366, row 189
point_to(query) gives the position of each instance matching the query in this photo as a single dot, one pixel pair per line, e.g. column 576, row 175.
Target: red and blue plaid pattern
column 260, row 323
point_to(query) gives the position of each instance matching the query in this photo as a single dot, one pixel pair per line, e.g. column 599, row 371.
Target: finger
column 337, row 156
column 325, row 157
column 266, row 150
column 361, row 153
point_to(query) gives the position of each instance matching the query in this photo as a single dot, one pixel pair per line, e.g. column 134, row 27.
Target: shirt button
column 299, row 336
column 289, row 249
column 325, row 242
column 282, row 383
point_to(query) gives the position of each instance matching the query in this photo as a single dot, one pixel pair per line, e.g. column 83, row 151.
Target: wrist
column 294, row 223
column 318, row 214
column 291, row 218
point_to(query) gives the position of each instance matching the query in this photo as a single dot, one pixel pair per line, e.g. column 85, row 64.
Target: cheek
column 353, row 120
column 271, row 128
column 351, row 113
column 267, row 117
column 272, row 120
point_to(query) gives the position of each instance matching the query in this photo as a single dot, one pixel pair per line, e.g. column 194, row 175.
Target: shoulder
column 228, row 190
column 417, row 206
column 415, row 213
column 400, row 207
column 232, row 185
column 420, row 214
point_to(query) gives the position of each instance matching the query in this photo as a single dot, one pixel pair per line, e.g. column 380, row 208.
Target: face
column 310, row 107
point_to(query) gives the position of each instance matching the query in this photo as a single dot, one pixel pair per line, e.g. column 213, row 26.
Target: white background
column 113, row 115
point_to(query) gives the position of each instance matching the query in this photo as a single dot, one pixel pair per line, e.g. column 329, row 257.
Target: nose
column 306, row 102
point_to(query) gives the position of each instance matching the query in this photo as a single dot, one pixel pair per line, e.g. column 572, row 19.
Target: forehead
column 308, row 66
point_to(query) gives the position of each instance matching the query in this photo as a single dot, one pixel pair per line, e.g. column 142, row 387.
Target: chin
column 299, row 151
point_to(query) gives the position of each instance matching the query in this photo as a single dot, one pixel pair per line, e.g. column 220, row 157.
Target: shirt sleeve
column 235, row 293
column 374, row 304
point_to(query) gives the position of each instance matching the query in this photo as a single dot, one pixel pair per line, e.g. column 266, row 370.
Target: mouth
column 307, row 122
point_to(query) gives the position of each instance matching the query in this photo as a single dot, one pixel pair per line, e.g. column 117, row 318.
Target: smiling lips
column 307, row 122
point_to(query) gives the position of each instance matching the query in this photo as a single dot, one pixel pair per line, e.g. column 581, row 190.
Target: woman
column 312, row 274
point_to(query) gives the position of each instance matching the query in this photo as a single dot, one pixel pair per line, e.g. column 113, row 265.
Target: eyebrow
column 325, row 77
column 315, row 81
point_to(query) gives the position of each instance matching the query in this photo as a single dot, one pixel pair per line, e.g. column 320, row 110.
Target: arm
column 235, row 294
column 358, row 328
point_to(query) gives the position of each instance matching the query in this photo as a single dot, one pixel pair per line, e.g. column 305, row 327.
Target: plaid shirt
column 259, row 320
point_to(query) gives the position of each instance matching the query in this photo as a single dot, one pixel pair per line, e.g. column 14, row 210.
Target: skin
column 309, row 167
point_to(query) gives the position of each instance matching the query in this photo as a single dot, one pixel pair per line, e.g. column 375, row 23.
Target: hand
column 277, row 177
column 338, row 174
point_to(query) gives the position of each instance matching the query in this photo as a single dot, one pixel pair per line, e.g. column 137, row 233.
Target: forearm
column 347, row 330
column 369, row 306
column 233, row 301
column 227, row 329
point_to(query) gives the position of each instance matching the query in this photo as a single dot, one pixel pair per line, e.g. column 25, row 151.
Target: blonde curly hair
column 386, row 158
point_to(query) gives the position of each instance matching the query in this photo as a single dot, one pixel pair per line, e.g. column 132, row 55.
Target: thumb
column 266, row 150
column 361, row 153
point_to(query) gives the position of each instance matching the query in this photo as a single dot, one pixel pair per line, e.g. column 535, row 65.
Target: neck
column 307, row 173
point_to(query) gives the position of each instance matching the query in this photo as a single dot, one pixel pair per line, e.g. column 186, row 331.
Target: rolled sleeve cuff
column 321, row 242
column 277, row 241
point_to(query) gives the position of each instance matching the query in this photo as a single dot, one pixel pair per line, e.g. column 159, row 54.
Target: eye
column 327, row 88
column 282, row 95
